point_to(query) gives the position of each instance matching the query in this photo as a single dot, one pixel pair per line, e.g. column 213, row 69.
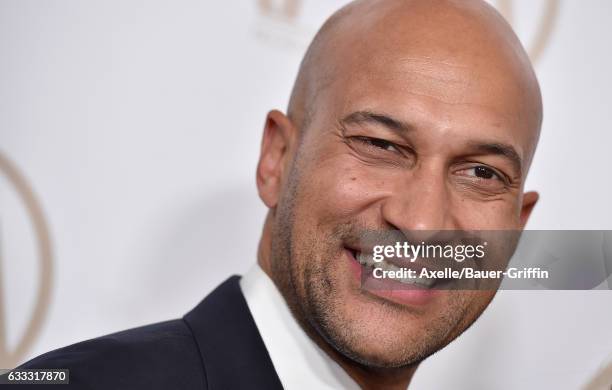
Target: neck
column 366, row 377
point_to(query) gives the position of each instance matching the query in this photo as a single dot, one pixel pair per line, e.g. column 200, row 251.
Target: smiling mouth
column 365, row 259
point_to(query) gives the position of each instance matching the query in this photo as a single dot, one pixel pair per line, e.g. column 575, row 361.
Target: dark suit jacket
column 215, row 346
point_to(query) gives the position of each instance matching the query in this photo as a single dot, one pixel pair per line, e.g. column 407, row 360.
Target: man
column 416, row 116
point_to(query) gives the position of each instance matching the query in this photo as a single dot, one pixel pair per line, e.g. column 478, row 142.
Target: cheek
column 502, row 213
column 337, row 188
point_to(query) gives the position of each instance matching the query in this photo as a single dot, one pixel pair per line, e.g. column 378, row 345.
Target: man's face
column 403, row 142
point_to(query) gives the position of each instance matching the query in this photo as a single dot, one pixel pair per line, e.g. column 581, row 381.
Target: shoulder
column 158, row 356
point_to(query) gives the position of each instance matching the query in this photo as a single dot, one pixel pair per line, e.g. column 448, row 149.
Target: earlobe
column 275, row 146
column 529, row 201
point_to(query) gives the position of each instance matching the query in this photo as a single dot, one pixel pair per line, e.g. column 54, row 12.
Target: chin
column 383, row 350
column 379, row 335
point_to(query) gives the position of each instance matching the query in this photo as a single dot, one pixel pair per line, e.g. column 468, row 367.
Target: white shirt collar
column 299, row 362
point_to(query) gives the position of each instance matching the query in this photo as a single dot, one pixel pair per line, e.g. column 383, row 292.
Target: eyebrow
column 360, row 117
column 499, row 149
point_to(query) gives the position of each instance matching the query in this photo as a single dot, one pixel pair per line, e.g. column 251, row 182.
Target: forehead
column 448, row 90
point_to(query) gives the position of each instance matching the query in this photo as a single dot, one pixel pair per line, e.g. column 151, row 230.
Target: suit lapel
column 232, row 350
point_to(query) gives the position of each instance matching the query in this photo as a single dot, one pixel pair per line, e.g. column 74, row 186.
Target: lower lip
column 391, row 290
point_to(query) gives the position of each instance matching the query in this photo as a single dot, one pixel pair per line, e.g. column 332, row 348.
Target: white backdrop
column 137, row 126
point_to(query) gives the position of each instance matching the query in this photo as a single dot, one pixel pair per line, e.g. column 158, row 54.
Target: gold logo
column 536, row 47
column 10, row 358
column 285, row 9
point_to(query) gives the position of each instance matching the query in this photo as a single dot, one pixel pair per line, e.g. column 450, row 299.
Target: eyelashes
column 378, row 143
column 380, row 152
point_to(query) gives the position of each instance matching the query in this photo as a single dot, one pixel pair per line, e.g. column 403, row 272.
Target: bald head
column 460, row 52
column 407, row 115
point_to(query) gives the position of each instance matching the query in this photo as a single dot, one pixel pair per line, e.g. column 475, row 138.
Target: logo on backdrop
column 17, row 184
column 279, row 23
column 284, row 9
column 535, row 47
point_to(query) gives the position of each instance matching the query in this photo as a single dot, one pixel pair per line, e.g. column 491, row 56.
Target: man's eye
column 482, row 172
column 378, row 143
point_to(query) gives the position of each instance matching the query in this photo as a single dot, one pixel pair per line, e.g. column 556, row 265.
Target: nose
column 420, row 204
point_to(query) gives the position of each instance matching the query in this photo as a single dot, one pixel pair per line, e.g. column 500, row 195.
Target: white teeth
column 367, row 260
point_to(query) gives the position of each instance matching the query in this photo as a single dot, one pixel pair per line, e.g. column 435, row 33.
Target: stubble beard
column 311, row 294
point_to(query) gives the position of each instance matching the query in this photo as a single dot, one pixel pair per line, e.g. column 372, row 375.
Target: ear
column 278, row 136
column 529, row 201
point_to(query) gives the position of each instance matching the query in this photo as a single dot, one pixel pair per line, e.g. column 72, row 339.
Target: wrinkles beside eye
column 482, row 178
